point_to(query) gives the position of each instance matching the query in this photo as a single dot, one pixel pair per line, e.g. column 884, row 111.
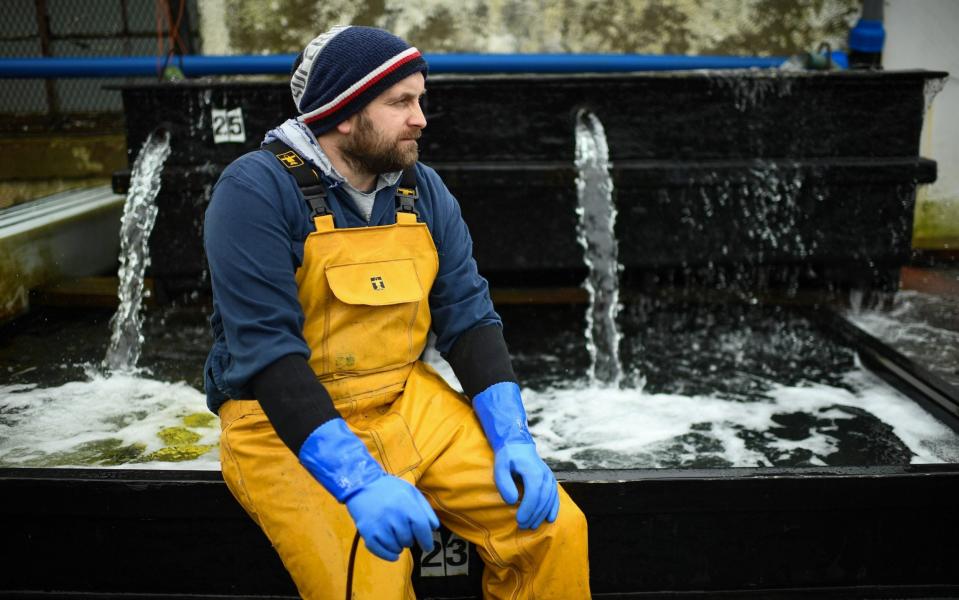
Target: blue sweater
column 254, row 232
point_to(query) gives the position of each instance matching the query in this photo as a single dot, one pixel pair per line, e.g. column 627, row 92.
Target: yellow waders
column 364, row 293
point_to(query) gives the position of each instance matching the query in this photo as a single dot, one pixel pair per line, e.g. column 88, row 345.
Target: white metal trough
column 69, row 234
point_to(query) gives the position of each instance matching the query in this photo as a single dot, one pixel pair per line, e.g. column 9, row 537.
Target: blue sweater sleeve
column 251, row 233
column 459, row 300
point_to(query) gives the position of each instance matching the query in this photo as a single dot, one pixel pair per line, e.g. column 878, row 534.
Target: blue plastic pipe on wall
column 200, row 66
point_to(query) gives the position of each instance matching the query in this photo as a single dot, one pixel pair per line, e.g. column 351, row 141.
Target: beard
column 369, row 151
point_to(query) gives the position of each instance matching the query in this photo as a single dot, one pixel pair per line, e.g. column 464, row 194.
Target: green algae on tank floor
column 107, row 452
column 199, row 420
column 181, row 443
column 178, row 436
column 149, row 416
column 179, row 453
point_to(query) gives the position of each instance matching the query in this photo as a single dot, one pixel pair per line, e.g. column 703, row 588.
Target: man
column 328, row 271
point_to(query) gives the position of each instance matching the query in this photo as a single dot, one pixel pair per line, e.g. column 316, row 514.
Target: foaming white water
column 122, row 420
column 920, row 326
column 626, row 428
column 596, row 426
column 130, row 421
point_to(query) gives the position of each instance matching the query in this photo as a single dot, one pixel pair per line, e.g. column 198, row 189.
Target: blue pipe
column 199, row 66
column 142, row 66
column 588, row 63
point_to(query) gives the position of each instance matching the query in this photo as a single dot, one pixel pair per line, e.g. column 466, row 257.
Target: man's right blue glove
column 389, row 513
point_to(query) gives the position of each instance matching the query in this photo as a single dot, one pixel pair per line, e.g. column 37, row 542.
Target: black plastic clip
column 315, row 196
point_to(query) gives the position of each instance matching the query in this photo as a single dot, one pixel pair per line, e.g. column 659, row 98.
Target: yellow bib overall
column 365, row 298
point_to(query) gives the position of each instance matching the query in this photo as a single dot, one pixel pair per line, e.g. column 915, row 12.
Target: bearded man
column 332, row 254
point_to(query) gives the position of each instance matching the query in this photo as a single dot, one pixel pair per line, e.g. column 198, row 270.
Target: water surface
column 703, row 386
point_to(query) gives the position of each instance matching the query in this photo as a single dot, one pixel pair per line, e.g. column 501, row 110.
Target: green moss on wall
column 747, row 27
column 936, row 225
column 34, row 166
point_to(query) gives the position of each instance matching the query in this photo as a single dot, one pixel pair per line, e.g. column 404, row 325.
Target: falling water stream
column 139, row 215
column 595, row 233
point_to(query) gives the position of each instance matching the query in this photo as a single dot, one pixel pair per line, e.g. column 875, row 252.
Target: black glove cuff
column 480, row 358
column 293, row 399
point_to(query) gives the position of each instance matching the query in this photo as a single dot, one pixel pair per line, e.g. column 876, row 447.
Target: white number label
column 450, row 558
column 228, row 125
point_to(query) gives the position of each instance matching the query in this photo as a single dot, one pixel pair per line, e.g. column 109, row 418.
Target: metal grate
column 36, row 28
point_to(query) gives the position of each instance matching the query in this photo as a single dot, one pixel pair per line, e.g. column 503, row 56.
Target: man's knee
column 570, row 522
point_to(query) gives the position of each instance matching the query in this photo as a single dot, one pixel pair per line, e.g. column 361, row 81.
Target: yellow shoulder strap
column 323, row 223
column 405, row 218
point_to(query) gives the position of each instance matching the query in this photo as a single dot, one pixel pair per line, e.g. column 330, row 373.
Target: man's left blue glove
column 500, row 411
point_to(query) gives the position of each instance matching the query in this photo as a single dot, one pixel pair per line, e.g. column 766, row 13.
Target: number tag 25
column 448, row 557
column 228, row 125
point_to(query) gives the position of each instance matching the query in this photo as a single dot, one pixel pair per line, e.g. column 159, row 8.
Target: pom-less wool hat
column 345, row 68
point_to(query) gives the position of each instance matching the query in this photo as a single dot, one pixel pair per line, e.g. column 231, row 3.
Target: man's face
column 382, row 138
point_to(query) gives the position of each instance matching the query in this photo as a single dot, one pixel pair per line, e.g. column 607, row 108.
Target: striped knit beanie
column 342, row 70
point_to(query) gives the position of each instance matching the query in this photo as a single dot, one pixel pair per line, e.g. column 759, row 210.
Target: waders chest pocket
column 377, row 283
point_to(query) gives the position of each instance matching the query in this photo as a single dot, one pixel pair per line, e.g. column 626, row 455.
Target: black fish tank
column 698, row 275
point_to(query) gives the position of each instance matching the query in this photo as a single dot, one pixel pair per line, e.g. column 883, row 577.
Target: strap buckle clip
column 315, row 196
column 406, row 199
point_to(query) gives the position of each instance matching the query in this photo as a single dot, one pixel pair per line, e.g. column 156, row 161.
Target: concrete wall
column 749, row 27
column 924, row 35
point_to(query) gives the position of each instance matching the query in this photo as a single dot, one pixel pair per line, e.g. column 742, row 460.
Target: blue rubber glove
column 500, row 411
column 389, row 513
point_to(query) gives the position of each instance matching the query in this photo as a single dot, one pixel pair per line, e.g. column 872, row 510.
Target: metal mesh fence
column 74, row 28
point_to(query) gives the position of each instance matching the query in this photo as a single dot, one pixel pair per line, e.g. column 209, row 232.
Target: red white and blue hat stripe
column 345, row 68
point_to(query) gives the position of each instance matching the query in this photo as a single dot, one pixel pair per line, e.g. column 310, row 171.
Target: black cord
column 349, row 570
